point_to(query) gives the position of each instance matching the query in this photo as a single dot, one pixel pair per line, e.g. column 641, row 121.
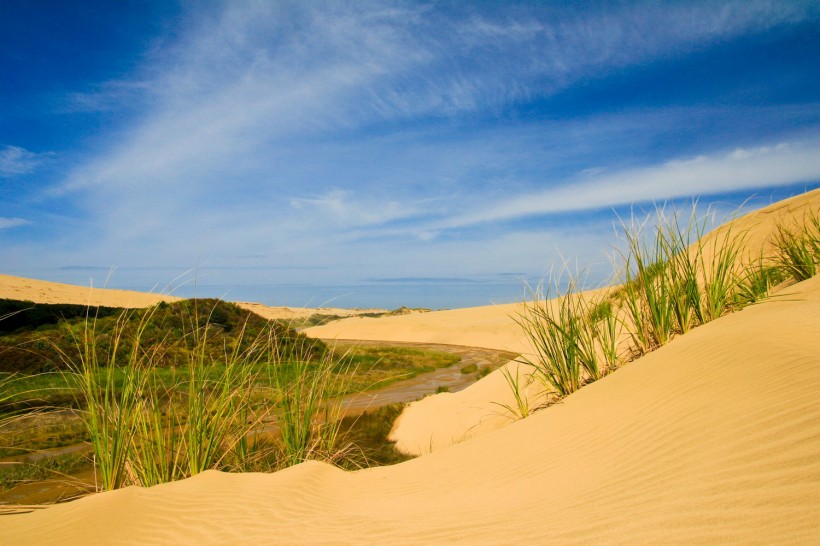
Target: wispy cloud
column 339, row 207
column 740, row 169
column 8, row 223
column 241, row 81
column 15, row 160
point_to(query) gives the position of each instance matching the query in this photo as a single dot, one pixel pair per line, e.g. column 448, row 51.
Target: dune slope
column 489, row 326
column 20, row 288
column 714, row 438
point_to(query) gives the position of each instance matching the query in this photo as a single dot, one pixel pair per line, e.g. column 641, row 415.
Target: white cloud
column 16, row 161
column 340, row 207
column 250, row 79
column 741, row 169
column 8, row 223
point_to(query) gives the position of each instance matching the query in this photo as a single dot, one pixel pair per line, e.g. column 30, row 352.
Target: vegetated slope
column 713, row 438
column 436, row 422
column 38, row 337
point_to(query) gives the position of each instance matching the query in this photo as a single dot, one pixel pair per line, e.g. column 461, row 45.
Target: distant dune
column 712, row 439
column 19, row 288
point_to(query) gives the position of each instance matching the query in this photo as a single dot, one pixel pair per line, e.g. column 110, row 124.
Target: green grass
column 166, row 327
column 756, row 282
column 564, row 329
column 369, row 432
column 470, row 368
column 149, row 422
column 518, row 387
column 41, row 430
column 672, row 280
column 377, row 367
column 797, row 249
column 310, row 409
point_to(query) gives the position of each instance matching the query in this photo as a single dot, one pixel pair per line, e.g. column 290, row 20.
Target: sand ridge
column 37, row 291
column 712, row 439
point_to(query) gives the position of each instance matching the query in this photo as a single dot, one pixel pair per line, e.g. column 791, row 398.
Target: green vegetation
column 163, row 329
column 318, row 319
column 25, row 316
column 572, row 337
column 518, row 388
column 797, row 250
column 32, row 431
column 369, row 433
column 311, row 409
column 376, row 367
column 167, row 392
column 672, row 280
column 470, row 368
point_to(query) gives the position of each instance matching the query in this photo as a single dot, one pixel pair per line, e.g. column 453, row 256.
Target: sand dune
column 37, row 291
column 490, row 327
column 714, row 438
column 296, row 313
column 19, row 288
column 448, row 418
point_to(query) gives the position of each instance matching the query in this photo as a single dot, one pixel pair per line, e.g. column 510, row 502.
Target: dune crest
column 20, row 288
column 714, row 438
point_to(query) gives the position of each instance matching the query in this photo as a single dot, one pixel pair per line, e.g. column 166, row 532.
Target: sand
column 296, row 313
column 439, row 421
column 19, row 288
column 449, row 418
column 712, row 439
column 37, row 291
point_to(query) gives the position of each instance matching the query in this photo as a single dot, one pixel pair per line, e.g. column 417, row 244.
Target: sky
column 358, row 154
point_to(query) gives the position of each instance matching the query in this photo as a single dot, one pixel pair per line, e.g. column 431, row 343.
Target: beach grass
column 161, row 404
column 520, row 408
column 147, row 428
column 797, row 249
column 672, row 281
column 562, row 328
column 671, row 278
column 310, row 408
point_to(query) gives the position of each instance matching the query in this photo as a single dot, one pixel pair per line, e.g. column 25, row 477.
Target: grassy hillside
column 40, row 338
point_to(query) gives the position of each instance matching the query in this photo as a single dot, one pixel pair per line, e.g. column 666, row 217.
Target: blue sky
column 384, row 153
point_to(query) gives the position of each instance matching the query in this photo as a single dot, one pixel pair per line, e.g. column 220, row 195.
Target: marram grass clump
column 148, row 428
column 672, row 278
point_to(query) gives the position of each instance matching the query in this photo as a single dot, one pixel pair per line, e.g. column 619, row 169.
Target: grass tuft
column 562, row 327
column 797, row 250
column 673, row 279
